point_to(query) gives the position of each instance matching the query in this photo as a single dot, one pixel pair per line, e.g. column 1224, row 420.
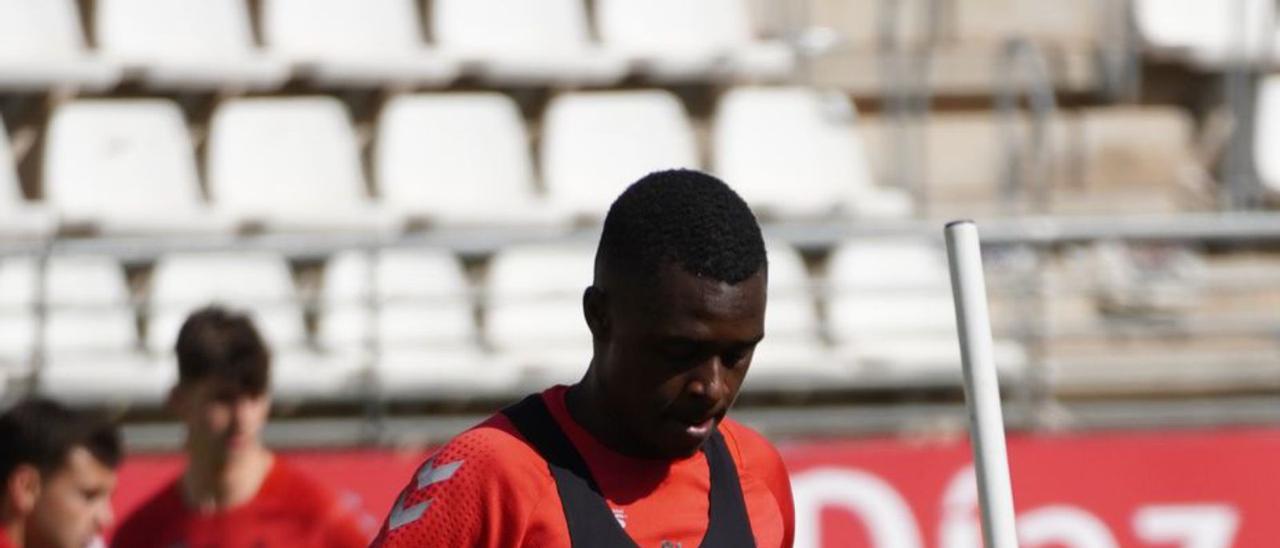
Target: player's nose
column 708, row 380
column 105, row 518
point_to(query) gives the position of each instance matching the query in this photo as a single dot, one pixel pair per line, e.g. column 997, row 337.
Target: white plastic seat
column 792, row 355
column 792, row 152
column 1209, row 34
column 124, row 166
column 1266, row 139
column 524, row 42
column 261, row 285
column 677, row 40
column 355, row 42
column 42, row 47
column 596, row 144
column 890, row 311
column 423, row 329
column 457, row 159
column 187, row 44
column 18, row 217
column 289, row 164
column 534, row 317
column 1135, row 160
column 90, row 337
column 19, row 283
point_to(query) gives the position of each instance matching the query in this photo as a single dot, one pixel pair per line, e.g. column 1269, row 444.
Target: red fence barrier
column 1157, row 489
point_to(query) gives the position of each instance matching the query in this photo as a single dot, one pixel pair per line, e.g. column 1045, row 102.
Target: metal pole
column 982, row 388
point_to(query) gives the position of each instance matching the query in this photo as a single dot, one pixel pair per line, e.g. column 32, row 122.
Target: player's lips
column 700, row 429
column 698, row 424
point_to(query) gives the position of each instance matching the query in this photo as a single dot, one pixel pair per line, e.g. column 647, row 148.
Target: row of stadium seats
column 210, row 44
column 963, row 40
column 128, row 166
column 414, row 316
column 1209, row 34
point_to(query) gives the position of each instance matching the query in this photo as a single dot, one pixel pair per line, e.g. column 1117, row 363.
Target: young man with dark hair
column 639, row 452
column 234, row 492
column 58, row 468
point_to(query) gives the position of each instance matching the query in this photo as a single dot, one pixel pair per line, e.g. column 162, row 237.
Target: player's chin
column 681, row 440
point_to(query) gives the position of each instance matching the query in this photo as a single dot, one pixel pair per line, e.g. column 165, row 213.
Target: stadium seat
column 187, row 44
column 792, row 152
column 260, row 284
column 1134, row 160
column 534, row 315
column 792, row 355
column 91, row 344
column 524, row 43
column 1266, row 137
column 891, row 314
column 964, row 59
column 124, row 166
column 42, row 47
column 595, row 144
column 19, row 284
column 1209, row 34
column 19, row 218
column 355, row 42
column 413, row 309
column 677, row 40
column 965, row 164
column 455, row 159
column 289, row 164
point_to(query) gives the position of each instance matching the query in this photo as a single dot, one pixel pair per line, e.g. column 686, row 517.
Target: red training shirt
column 5, row 541
column 487, row 488
column 289, row 510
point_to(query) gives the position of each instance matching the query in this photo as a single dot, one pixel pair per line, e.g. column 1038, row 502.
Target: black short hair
column 217, row 343
column 42, row 433
column 683, row 217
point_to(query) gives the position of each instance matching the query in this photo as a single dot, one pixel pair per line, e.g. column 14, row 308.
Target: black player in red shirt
column 639, row 452
column 234, row 493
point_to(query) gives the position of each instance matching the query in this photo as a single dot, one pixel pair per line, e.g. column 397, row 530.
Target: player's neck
column 586, row 405
column 214, row 484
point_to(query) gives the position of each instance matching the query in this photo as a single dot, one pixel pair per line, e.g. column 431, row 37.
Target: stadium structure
column 405, row 195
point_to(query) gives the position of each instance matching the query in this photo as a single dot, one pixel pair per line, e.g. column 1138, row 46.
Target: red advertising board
column 1157, row 489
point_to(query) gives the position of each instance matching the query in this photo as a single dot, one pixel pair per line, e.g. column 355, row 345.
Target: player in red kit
column 639, row 452
column 234, row 493
column 57, row 472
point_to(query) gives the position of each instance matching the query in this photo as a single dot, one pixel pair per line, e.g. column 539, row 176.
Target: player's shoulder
column 162, row 508
column 749, row 445
column 292, row 483
column 493, row 448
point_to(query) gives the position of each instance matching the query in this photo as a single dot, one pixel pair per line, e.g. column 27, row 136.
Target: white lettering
column 1191, row 525
column 1062, row 525
column 885, row 515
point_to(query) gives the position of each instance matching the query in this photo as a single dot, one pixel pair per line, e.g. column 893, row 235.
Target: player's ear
column 595, row 307
column 22, row 488
column 177, row 398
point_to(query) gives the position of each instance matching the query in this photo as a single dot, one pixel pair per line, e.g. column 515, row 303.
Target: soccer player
column 234, row 492
column 58, row 468
column 639, row 451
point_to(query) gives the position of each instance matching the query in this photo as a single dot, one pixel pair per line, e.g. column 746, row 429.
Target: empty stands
column 125, row 166
column 595, row 144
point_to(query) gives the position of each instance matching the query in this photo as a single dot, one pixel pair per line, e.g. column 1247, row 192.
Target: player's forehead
column 82, row 470
column 216, row 387
column 681, row 303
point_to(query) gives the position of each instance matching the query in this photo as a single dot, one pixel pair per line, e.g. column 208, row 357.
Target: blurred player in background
column 234, row 492
column 58, row 468
column 638, row 452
